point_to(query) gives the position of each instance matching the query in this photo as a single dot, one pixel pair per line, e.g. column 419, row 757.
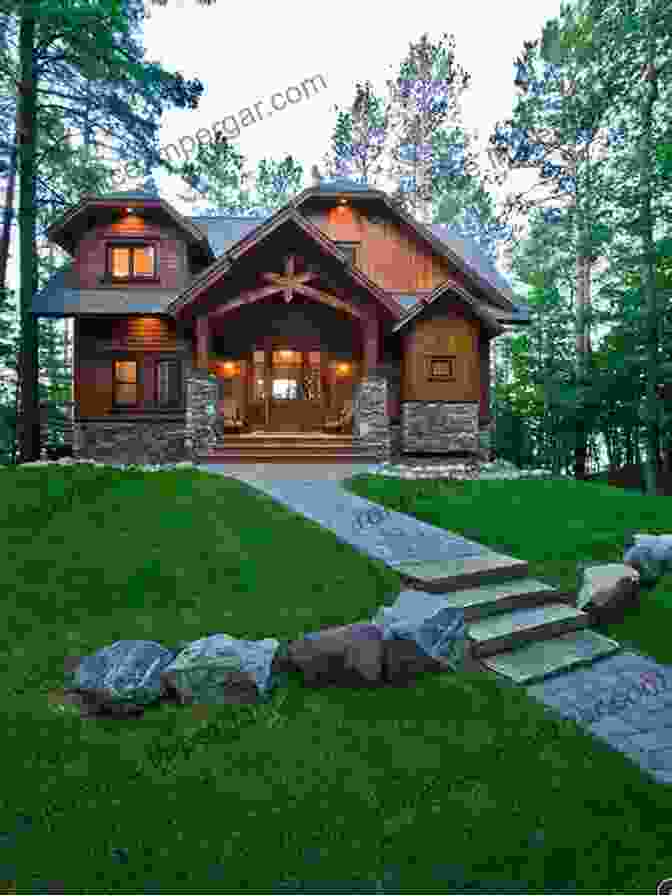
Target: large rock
column 437, row 629
column 221, row 669
column 606, row 590
column 345, row 655
column 650, row 555
column 118, row 680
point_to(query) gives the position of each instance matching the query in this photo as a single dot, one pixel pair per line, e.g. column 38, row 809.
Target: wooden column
column 202, row 342
column 370, row 343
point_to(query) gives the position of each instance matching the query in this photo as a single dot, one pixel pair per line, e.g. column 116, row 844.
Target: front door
column 288, row 390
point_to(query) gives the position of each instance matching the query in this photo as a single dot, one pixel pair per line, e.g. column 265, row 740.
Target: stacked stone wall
column 370, row 420
column 201, row 414
column 130, row 441
column 439, row 427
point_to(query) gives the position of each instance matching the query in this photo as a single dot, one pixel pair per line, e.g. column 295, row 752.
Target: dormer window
column 131, row 261
column 350, row 250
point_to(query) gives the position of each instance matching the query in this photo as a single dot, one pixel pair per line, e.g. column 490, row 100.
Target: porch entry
column 293, row 391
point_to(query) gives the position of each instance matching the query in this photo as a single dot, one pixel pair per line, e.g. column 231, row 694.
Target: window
column 168, row 384
column 125, row 382
column 441, row 368
column 350, row 250
column 131, row 262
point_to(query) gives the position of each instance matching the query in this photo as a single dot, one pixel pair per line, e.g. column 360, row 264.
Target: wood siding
column 445, row 334
column 99, row 341
column 90, row 258
column 388, row 252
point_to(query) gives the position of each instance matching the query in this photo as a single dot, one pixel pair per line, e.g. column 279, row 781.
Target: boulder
column 606, row 590
column 221, row 669
column 650, row 555
column 345, row 655
column 118, row 680
column 437, row 629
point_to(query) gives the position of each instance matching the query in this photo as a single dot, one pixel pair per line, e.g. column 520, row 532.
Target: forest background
column 586, row 241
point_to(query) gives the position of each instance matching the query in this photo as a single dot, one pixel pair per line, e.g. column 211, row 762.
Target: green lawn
column 458, row 784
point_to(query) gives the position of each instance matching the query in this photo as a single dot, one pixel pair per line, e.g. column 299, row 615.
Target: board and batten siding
column 389, row 253
column 447, row 334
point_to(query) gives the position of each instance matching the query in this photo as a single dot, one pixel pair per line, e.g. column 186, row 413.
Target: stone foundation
column 370, row 420
column 439, row 427
column 153, row 438
column 130, row 441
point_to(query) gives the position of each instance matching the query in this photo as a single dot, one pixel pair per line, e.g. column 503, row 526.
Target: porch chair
column 229, row 418
column 342, row 420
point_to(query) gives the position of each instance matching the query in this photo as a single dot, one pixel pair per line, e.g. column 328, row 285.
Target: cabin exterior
column 339, row 316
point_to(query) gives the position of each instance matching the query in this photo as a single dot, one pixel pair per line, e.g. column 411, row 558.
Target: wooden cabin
column 338, row 325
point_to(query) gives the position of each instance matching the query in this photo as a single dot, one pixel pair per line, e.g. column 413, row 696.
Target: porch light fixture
column 343, row 369
column 230, row 368
column 344, row 201
column 130, row 210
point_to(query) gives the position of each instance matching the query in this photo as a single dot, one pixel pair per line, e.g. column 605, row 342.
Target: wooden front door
column 287, row 393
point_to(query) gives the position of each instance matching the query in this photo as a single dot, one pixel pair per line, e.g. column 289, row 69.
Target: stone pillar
column 201, row 412
column 370, row 420
column 202, row 342
column 486, row 441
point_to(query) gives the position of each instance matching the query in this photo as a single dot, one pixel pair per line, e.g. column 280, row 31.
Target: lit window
column 125, row 382
column 132, row 262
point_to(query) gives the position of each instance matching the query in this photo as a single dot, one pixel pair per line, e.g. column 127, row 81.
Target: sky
column 247, row 52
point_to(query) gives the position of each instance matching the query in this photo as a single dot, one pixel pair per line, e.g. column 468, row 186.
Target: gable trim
column 488, row 319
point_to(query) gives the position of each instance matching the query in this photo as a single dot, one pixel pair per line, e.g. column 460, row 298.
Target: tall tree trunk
column 8, row 214
column 648, row 275
column 30, row 429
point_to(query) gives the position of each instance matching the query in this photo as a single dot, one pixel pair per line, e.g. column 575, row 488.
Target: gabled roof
column 475, row 266
column 489, row 320
column 62, row 231
column 280, row 218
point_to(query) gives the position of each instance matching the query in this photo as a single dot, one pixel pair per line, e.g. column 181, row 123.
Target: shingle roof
column 341, row 184
column 222, row 232
column 57, row 298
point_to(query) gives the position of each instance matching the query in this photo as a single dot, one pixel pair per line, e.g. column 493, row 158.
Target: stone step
column 487, row 600
column 511, row 629
column 538, row 660
column 440, row 576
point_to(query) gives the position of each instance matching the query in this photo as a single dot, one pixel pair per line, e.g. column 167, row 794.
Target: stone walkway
column 624, row 699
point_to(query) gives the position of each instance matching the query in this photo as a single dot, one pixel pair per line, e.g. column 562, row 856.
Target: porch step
column 509, row 630
column 285, row 457
column 538, row 660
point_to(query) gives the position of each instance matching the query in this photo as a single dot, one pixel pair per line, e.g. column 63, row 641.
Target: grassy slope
column 315, row 790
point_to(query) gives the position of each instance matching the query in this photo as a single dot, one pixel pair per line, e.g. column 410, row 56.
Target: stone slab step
column 505, row 631
column 486, row 600
column 538, row 660
column 439, row 576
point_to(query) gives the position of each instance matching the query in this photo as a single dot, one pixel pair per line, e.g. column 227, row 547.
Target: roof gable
column 67, row 230
column 288, row 215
